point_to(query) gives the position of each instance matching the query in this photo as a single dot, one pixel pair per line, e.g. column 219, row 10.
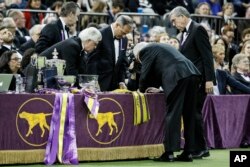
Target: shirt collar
column 63, row 23
column 188, row 24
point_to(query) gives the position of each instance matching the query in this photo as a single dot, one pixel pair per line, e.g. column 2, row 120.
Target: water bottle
column 18, row 83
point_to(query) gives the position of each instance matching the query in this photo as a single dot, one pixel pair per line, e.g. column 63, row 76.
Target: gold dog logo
column 35, row 119
column 32, row 125
column 109, row 123
column 106, row 118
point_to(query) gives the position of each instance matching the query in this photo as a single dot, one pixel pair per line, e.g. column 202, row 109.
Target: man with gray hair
column 55, row 32
column 73, row 50
column 111, row 54
column 34, row 32
column 196, row 47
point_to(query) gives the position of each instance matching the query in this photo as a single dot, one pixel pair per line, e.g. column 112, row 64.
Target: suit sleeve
column 232, row 82
column 46, row 39
column 204, row 47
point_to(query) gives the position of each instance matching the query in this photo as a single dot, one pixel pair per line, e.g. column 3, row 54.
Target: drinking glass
column 89, row 82
column 64, row 82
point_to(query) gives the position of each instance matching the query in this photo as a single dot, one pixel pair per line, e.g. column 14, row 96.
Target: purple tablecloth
column 226, row 120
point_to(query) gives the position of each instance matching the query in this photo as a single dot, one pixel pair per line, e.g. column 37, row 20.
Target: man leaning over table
column 163, row 65
column 75, row 52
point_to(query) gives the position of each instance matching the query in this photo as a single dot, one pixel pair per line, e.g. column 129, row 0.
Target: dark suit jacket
column 3, row 49
column 224, row 79
column 29, row 44
column 69, row 50
column 162, row 65
column 197, row 48
column 239, row 78
column 110, row 73
column 51, row 34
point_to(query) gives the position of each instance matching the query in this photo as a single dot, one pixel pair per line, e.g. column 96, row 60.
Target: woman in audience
column 173, row 41
column 34, row 18
column 246, row 48
column 10, row 63
column 223, row 78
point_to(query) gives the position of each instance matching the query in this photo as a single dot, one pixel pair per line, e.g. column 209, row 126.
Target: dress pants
column 182, row 101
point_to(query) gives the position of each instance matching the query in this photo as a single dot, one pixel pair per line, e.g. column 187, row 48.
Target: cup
column 89, row 82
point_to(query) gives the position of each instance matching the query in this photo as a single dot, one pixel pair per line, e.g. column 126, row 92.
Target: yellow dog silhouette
column 35, row 119
column 103, row 118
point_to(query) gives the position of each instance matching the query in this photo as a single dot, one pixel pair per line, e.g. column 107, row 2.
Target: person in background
column 246, row 48
column 156, row 32
column 116, row 7
column 57, row 31
column 10, row 63
column 224, row 79
column 34, row 18
column 173, row 41
column 111, row 54
column 34, row 32
column 241, row 66
column 10, row 24
column 75, row 52
column 196, row 47
column 241, row 70
column 21, row 33
column 7, row 41
column 163, row 65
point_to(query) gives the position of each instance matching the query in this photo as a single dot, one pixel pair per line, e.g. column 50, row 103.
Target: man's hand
column 209, row 87
column 152, row 90
column 122, row 85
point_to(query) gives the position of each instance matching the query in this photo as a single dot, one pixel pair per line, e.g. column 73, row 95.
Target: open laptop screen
column 5, row 80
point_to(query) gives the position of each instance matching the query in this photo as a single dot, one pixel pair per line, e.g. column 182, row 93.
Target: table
column 226, row 121
column 20, row 112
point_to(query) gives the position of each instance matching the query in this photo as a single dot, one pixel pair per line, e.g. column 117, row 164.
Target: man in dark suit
column 72, row 51
column 111, row 53
column 163, row 65
column 196, row 47
column 57, row 31
column 35, row 32
column 7, row 41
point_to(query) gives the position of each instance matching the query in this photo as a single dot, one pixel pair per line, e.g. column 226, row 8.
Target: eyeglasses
column 16, row 59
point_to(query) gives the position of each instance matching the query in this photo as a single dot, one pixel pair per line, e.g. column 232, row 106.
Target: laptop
column 5, row 80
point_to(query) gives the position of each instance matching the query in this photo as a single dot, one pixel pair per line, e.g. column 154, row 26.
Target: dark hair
column 69, row 7
column 5, row 59
column 26, row 57
column 118, row 3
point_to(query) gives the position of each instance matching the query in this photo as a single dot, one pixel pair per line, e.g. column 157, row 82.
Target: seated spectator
column 241, row 70
column 33, row 18
column 7, row 41
column 10, row 24
column 34, row 32
column 246, row 48
column 223, row 78
column 10, row 63
column 173, row 41
column 21, row 33
column 203, row 8
column 156, row 32
column 164, row 38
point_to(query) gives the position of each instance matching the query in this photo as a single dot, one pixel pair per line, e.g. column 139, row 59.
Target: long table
column 25, row 120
